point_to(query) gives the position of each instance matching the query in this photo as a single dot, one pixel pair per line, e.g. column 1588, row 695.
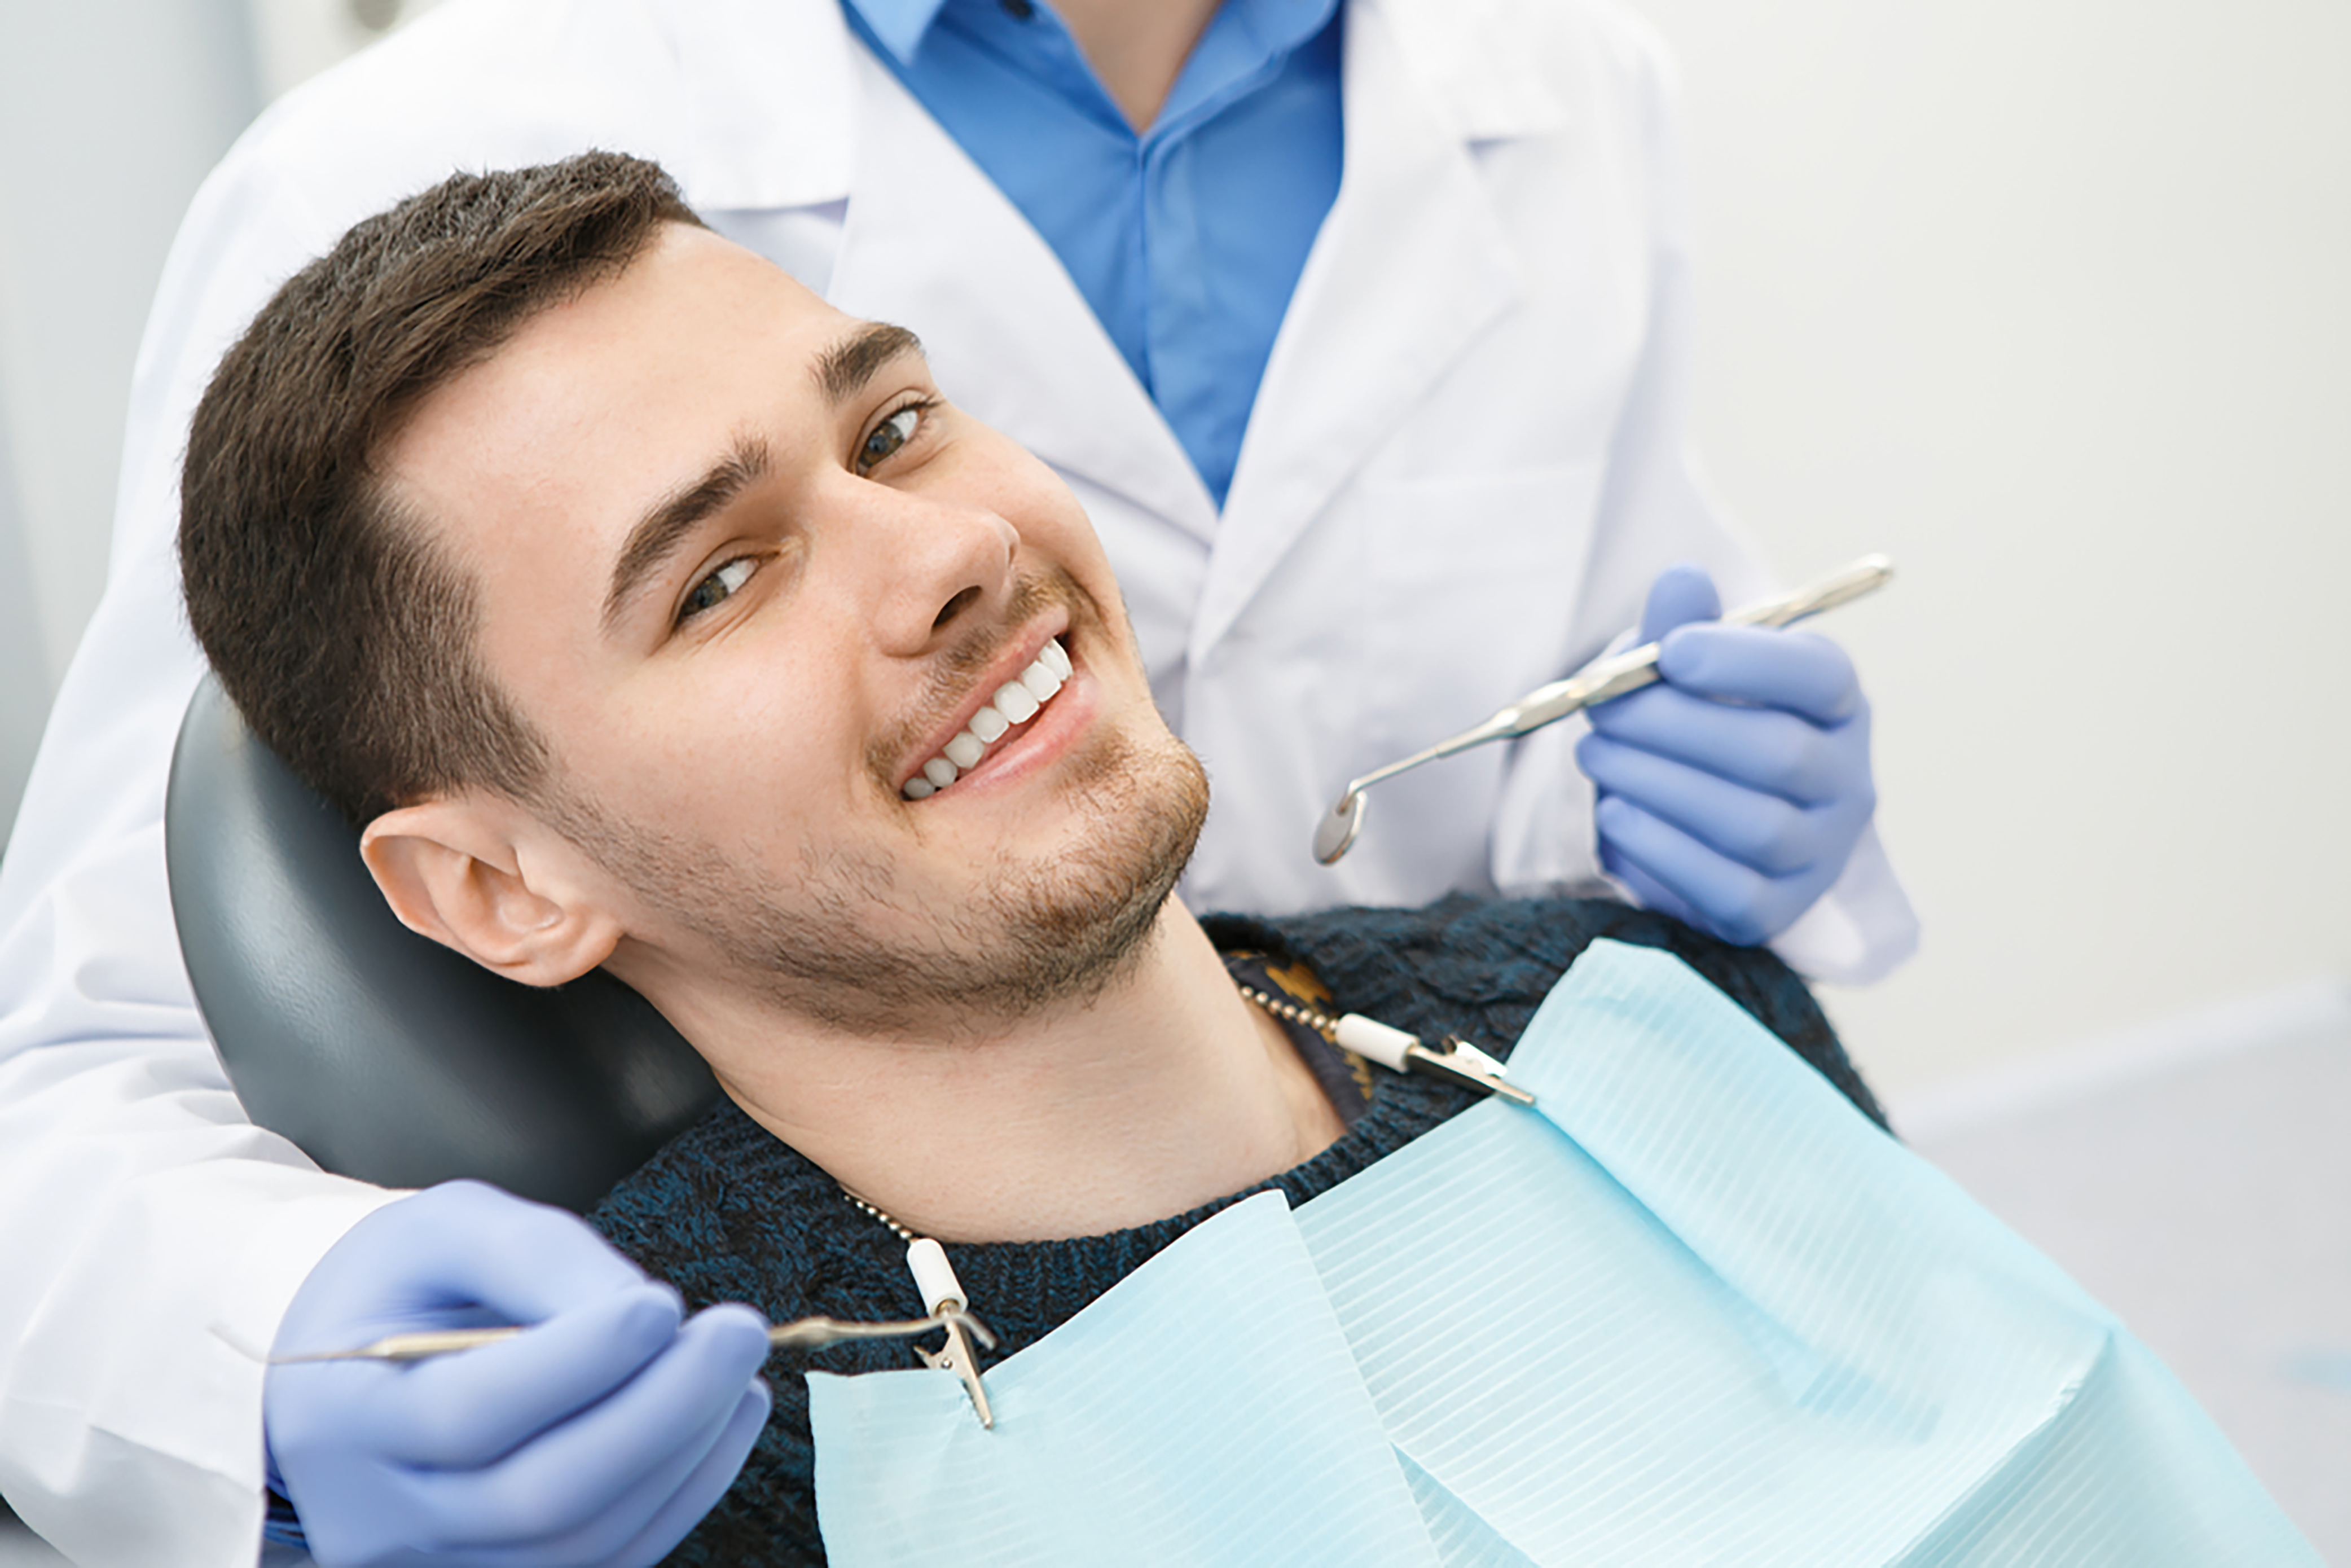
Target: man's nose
column 932, row 564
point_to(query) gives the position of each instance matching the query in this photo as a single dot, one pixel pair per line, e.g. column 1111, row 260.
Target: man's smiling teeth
column 1016, row 702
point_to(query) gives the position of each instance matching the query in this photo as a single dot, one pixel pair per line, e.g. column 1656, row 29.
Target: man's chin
column 852, row 948
column 1082, row 921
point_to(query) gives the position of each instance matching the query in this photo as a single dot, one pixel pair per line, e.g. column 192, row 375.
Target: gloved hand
column 1731, row 791
column 601, row 1436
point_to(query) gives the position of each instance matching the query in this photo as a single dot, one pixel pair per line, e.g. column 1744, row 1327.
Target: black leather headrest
column 383, row 1055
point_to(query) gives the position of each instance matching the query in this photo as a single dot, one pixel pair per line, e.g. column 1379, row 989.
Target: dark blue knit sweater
column 726, row 1212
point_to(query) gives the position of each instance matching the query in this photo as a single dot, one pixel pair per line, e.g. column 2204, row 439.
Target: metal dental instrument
column 1596, row 682
column 800, row 1333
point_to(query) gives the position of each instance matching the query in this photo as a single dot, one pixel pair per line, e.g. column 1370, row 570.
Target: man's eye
column 713, row 591
column 885, row 440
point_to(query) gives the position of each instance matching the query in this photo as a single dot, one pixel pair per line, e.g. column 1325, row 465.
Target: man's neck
column 1137, row 46
column 1166, row 1091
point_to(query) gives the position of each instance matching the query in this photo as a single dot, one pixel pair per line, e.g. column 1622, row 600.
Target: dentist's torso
column 1459, row 470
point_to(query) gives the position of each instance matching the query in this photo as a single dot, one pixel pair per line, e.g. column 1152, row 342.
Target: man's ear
column 462, row 870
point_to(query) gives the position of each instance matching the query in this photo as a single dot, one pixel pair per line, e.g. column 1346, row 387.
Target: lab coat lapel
column 1009, row 335
column 764, row 90
column 1411, row 266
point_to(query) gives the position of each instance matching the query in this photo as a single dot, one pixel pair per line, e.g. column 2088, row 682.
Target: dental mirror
column 1605, row 677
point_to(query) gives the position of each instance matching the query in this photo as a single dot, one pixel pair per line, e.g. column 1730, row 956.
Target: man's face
column 748, row 574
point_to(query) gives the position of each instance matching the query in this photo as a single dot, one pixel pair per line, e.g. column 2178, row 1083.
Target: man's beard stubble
column 1048, row 932
column 1044, row 934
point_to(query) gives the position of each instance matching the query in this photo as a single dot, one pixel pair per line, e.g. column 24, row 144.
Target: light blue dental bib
column 1694, row 1308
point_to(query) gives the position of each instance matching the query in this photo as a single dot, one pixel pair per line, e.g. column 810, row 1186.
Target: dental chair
column 380, row 1053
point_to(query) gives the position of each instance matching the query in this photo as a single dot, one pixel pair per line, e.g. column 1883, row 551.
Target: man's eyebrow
column 842, row 370
column 663, row 529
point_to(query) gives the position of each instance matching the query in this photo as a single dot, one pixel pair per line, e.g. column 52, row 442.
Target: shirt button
column 1019, row 10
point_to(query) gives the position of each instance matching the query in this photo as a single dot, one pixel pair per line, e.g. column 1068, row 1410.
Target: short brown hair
column 344, row 638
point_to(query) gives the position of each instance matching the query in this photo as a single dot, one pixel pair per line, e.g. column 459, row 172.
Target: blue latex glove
column 1732, row 791
column 601, row 1436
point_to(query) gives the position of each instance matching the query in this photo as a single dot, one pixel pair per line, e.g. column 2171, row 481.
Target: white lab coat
column 1463, row 468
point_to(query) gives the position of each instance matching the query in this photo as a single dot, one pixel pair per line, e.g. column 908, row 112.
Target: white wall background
column 2050, row 302
column 24, row 664
column 111, row 110
column 2047, row 301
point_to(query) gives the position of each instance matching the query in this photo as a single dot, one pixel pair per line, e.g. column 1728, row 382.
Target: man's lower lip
column 1015, row 747
column 1012, row 726
column 1015, row 741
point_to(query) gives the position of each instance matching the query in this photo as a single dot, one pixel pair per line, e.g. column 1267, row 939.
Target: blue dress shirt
column 1186, row 240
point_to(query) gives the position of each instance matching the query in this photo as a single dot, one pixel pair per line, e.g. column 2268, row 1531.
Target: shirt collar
column 900, row 24
column 1278, row 26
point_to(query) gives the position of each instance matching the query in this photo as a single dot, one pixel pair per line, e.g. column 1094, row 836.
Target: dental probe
column 1596, row 682
column 800, row 1333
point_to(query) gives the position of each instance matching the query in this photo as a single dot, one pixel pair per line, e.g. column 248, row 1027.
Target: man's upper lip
column 1019, row 652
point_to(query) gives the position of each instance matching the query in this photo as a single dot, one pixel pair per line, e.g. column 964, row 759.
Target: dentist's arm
column 1653, row 511
column 599, row 1437
column 1732, row 792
